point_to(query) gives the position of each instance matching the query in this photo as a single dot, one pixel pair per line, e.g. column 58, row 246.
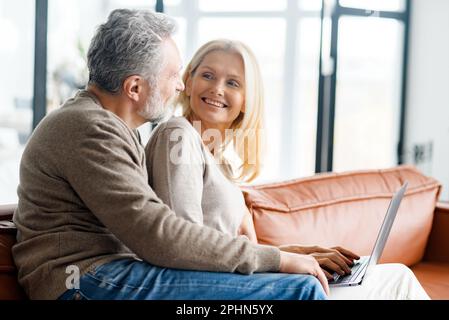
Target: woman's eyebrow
column 229, row 75
column 235, row 76
column 206, row 67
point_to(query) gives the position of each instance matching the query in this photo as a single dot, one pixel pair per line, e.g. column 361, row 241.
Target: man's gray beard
column 154, row 110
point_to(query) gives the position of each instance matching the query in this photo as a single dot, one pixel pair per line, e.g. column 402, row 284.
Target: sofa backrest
column 9, row 287
column 347, row 210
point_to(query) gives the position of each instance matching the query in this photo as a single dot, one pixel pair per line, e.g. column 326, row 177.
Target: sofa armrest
column 437, row 249
column 7, row 211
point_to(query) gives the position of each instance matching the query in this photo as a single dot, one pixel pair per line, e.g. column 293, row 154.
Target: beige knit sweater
column 186, row 177
column 84, row 200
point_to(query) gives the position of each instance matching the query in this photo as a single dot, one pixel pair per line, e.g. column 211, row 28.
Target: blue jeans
column 128, row 279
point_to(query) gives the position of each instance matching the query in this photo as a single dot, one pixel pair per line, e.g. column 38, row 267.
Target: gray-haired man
column 90, row 225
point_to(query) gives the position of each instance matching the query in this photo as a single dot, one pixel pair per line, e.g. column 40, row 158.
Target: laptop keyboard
column 355, row 271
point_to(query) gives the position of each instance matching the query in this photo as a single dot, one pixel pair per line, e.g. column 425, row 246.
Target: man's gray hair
column 128, row 43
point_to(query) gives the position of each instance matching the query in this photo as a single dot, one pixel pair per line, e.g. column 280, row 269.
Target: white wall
column 427, row 119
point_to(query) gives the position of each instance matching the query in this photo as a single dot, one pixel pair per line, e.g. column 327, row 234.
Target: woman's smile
column 214, row 103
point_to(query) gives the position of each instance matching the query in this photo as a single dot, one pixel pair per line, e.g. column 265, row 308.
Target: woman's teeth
column 214, row 103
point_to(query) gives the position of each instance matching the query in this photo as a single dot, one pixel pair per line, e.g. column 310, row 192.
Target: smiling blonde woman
column 222, row 103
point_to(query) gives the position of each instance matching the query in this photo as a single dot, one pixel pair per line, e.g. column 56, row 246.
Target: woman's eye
column 233, row 83
column 207, row 76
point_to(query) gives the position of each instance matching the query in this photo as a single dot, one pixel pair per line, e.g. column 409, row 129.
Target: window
column 378, row 5
column 360, row 80
column 16, row 90
column 242, row 6
column 302, row 154
column 361, row 84
column 368, row 95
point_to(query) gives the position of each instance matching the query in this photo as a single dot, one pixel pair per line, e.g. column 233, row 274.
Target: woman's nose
column 217, row 89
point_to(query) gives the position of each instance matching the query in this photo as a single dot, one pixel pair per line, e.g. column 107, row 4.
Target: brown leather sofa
column 347, row 209
column 9, row 287
column 329, row 209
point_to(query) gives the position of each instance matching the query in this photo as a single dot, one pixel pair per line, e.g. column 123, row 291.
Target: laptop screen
column 387, row 223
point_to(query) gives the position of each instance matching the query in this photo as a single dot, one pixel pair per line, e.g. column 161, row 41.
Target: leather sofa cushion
column 434, row 277
column 9, row 287
column 347, row 209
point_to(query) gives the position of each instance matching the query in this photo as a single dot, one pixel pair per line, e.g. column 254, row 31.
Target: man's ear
column 133, row 87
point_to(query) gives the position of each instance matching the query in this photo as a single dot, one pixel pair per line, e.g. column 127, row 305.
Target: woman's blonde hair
column 248, row 139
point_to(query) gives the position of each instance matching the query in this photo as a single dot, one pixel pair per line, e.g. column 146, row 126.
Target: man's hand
column 305, row 264
column 335, row 259
column 247, row 227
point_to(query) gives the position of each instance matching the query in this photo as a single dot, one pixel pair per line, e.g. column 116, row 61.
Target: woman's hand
column 247, row 227
column 335, row 259
column 304, row 264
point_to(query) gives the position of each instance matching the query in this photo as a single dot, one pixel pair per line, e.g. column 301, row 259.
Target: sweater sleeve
column 176, row 169
column 104, row 168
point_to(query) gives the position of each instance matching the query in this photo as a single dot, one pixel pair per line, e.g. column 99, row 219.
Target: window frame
column 328, row 83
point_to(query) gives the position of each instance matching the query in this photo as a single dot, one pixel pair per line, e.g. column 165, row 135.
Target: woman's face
column 217, row 89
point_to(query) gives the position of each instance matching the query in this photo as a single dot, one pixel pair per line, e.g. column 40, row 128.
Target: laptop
column 360, row 266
